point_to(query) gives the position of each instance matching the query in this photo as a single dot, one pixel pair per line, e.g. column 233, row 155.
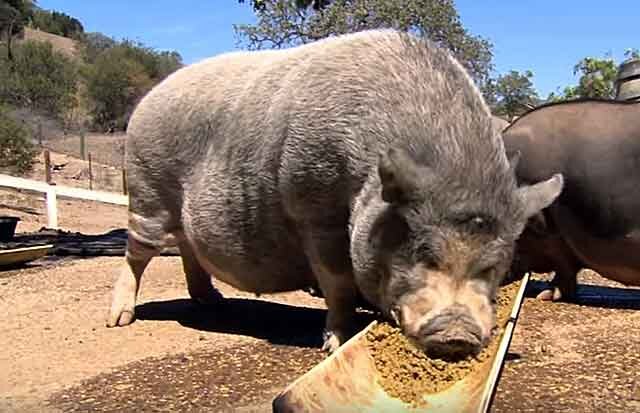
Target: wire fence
column 95, row 161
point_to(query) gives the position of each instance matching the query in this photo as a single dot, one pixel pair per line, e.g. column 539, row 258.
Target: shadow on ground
column 245, row 377
column 595, row 295
column 275, row 322
column 66, row 243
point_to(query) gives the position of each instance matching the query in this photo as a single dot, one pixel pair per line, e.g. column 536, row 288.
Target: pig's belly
column 281, row 269
column 616, row 260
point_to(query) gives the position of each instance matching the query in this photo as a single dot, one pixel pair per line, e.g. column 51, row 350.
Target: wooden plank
column 64, row 191
column 53, row 191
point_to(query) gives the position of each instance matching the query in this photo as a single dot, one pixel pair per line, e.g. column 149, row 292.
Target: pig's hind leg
column 198, row 280
column 147, row 236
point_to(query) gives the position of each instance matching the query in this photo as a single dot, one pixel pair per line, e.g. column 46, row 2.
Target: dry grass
column 63, row 44
column 107, row 149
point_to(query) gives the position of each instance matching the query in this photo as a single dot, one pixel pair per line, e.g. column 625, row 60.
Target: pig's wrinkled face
column 443, row 244
column 439, row 281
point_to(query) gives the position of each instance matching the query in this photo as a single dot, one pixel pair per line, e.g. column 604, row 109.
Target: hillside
column 59, row 43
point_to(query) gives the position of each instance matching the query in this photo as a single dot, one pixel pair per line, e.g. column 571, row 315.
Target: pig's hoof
column 550, row 294
column 210, row 298
column 332, row 341
column 120, row 318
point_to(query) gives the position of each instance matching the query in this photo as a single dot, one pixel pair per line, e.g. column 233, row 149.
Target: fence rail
column 53, row 191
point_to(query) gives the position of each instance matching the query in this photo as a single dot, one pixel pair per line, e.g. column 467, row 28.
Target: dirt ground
column 59, row 357
column 58, row 353
column 580, row 357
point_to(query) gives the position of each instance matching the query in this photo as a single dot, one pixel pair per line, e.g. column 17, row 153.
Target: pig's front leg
column 328, row 252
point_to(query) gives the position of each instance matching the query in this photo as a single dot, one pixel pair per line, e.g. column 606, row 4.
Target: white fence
column 53, row 191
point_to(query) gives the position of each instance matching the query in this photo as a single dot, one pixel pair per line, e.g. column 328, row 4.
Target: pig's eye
column 476, row 223
column 487, row 273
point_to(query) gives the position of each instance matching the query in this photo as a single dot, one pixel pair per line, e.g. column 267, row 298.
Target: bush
column 119, row 75
column 93, row 44
column 38, row 78
column 115, row 83
column 17, row 153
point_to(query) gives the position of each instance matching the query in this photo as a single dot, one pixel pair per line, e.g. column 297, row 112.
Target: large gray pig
column 361, row 164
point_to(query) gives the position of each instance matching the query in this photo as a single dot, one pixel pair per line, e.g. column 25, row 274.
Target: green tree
column 14, row 16
column 17, row 153
column 114, row 84
column 93, row 44
column 283, row 23
column 39, row 78
column 157, row 65
column 118, row 74
column 513, row 93
column 56, row 23
column 597, row 80
column 632, row 54
column 315, row 4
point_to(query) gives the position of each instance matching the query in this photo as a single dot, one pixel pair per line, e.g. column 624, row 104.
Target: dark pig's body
column 595, row 223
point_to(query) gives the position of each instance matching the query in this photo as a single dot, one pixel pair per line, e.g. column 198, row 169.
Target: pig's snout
column 451, row 334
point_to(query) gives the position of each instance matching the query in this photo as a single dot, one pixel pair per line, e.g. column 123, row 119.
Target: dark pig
column 594, row 223
column 362, row 164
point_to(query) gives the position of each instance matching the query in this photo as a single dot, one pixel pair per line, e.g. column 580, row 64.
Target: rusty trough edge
column 496, row 370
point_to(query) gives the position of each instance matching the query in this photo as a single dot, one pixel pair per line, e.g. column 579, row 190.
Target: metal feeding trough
column 22, row 255
column 348, row 380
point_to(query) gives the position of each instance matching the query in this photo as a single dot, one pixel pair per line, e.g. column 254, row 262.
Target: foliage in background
column 39, row 78
column 94, row 43
column 114, row 83
column 284, row 23
column 114, row 74
column 632, row 54
column 56, row 23
column 513, row 94
column 597, row 80
column 119, row 74
column 17, row 153
column 14, row 16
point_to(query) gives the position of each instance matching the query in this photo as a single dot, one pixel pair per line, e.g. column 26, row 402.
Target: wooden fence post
column 47, row 166
column 52, row 211
column 82, row 145
column 90, row 173
column 124, row 182
column 40, row 134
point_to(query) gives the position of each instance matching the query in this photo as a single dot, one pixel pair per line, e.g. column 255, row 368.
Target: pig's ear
column 399, row 175
column 539, row 196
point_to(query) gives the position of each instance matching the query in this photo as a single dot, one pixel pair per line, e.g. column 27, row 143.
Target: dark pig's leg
column 564, row 283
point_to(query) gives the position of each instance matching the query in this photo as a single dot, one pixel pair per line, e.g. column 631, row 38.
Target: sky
column 547, row 37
